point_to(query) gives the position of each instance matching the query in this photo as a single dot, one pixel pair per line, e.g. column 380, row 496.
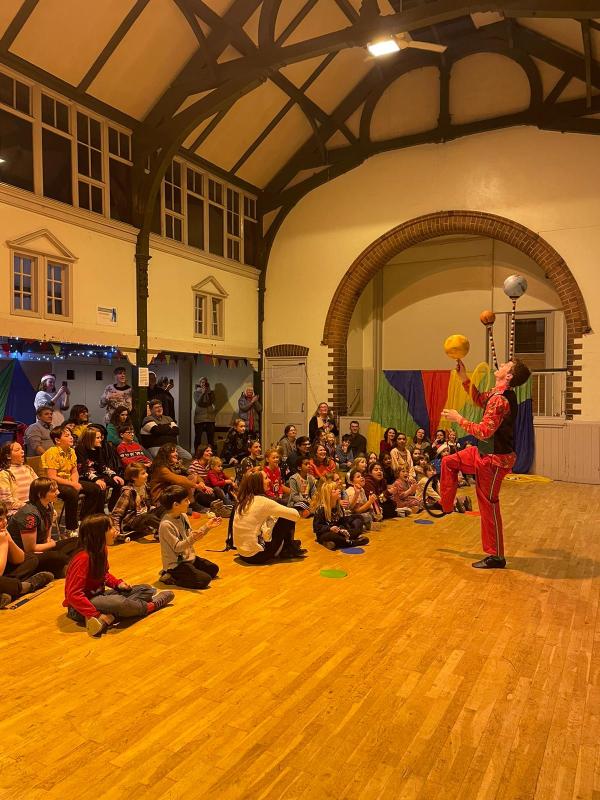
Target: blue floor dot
column 352, row 551
column 423, row 521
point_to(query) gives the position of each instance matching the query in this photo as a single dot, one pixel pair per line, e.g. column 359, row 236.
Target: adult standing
column 116, row 394
column 235, row 446
column 322, row 420
column 249, row 409
column 358, row 443
column 162, row 392
column 37, row 435
column 48, row 395
column 492, row 459
column 204, row 413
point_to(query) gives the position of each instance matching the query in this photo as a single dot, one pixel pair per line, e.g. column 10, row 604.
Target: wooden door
column 285, row 392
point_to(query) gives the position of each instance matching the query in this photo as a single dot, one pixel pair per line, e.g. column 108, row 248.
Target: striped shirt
column 24, row 476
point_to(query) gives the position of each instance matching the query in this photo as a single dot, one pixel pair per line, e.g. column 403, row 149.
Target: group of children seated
column 120, row 493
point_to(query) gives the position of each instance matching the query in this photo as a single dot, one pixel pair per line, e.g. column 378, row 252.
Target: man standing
column 358, row 443
column 492, row 459
column 116, row 394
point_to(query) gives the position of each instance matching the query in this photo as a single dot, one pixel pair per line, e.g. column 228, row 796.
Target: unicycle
column 430, row 497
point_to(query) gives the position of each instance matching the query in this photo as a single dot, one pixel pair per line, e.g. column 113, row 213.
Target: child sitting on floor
column 433, row 498
column 277, row 490
column 180, row 563
column 133, row 514
column 404, row 493
column 303, row 487
column 331, row 526
column 343, row 454
column 217, row 479
column 359, row 503
column 93, row 596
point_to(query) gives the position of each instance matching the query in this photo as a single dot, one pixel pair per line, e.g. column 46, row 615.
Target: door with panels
column 285, row 393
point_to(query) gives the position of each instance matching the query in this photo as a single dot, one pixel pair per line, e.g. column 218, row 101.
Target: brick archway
column 444, row 223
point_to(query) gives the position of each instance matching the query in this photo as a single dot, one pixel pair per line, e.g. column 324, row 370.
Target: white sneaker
column 400, row 512
column 407, row 512
column 72, row 534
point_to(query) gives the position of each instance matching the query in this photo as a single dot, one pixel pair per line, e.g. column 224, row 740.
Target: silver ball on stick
column 515, row 286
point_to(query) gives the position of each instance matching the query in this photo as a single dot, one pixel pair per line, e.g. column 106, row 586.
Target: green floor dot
column 333, row 573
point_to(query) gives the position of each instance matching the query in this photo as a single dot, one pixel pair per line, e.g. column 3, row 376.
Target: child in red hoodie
column 216, row 478
column 93, row 596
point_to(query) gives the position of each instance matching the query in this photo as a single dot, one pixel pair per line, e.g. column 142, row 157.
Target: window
column 89, row 164
column 15, row 94
column 250, row 232
column 209, row 307
column 120, row 175
column 173, row 202
column 195, row 208
column 24, row 289
column 41, row 279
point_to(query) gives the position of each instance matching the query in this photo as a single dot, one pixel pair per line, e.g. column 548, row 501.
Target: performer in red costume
column 492, row 459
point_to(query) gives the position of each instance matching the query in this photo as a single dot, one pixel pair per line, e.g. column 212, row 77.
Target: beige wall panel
column 197, row 131
column 325, row 17
column 303, row 174
column 242, row 125
column 437, row 289
column 565, row 31
column 193, row 98
column 77, row 29
column 104, row 274
column 150, row 55
column 337, row 140
column 501, row 172
column 353, row 121
column 8, row 9
column 298, row 73
column 229, row 54
column 171, row 307
column 574, row 90
column 549, row 75
column 278, row 147
column 410, row 105
column 334, row 83
column 251, row 27
column 486, row 85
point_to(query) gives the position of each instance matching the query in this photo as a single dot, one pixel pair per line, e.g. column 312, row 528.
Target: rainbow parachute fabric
column 411, row 399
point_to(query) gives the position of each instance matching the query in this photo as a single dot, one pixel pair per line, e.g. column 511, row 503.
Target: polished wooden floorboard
column 415, row 677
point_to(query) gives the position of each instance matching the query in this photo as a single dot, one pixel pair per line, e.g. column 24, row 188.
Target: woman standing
column 48, row 396
column 205, row 413
column 322, row 419
column 262, row 528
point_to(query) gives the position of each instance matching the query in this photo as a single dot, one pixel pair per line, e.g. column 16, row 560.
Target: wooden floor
column 413, row 677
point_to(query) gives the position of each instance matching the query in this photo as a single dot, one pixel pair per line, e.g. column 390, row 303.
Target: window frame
column 209, row 291
column 41, row 261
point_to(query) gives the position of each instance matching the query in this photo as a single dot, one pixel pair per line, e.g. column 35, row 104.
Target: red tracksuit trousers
column 489, row 472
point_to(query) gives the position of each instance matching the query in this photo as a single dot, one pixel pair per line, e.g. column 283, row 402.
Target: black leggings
column 57, row 559
column 196, row 574
column 93, row 502
column 354, row 527
column 282, row 535
column 209, row 429
column 141, row 525
column 12, row 581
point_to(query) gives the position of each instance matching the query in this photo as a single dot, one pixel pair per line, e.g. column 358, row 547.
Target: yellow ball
column 456, row 346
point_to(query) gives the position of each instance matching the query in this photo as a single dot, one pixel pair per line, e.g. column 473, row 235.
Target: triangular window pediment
column 210, row 285
column 42, row 242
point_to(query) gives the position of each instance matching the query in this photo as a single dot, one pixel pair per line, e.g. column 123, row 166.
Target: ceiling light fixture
column 383, row 47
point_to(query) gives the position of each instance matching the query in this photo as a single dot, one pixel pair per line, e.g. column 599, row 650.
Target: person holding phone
column 48, row 395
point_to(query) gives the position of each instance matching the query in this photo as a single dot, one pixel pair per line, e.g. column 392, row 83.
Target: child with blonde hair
column 216, row 478
column 333, row 528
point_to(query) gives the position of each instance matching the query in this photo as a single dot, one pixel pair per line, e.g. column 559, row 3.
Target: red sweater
column 132, row 453
column 218, row 480
column 80, row 586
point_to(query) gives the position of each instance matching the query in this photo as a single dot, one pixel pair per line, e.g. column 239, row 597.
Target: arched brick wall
column 289, row 350
column 444, row 223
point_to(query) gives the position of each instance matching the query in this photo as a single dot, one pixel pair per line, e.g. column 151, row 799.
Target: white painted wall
column 104, row 275
column 549, row 182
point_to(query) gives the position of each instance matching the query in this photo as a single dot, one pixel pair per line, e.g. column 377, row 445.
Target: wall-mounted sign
column 106, row 316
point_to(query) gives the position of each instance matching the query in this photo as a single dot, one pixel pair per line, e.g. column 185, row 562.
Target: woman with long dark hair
column 262, row 528
column 93, row 596
column 288, row 441
column 120, row 416
column 320, row 462
column 78, row 421
column 375, row 484
column 387, row 444
column 167, row 470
